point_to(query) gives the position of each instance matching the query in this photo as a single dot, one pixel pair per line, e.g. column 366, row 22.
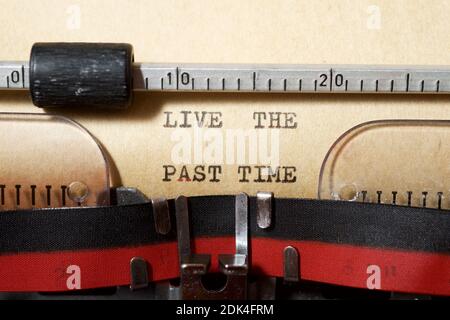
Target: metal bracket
column 291, row 264
column 264, row 209
column 161, row 215
column 139, row 273
column 194, row 266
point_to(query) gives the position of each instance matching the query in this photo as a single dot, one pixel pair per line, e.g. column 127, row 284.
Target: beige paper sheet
column 236, row 31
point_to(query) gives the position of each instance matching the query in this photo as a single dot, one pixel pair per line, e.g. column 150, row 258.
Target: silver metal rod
column 241, row 221
column 268, row 78
column 183, row 227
